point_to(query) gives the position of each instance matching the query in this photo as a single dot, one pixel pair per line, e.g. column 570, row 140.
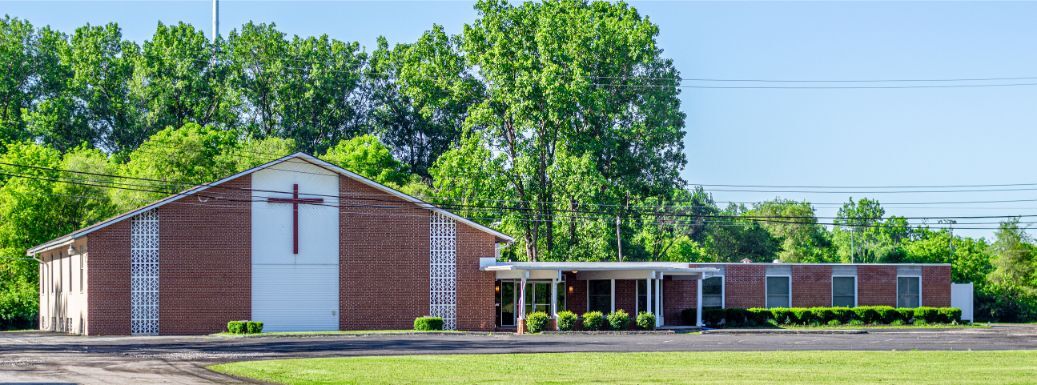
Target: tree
column 1014, row 255
column 794, row 225
column 102, row 70
column 734, row 239
column 179, row 79
column 18, row 52
column 580, row 79
column 861, row 234
column 366, row 156
column 421, row 93
column 173, row 160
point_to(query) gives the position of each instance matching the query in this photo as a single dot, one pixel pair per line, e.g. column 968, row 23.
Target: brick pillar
column 936, row 286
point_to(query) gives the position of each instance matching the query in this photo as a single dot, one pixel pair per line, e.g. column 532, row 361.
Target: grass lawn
column 844, row 367
column 332, row 333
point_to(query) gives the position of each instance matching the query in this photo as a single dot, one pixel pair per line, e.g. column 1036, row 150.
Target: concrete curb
column 784, row 331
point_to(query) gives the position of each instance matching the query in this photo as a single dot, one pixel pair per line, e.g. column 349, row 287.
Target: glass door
column 506, row 303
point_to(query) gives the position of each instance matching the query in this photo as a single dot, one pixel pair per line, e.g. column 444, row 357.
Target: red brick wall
column 811, row 285
column 876, row 285
column 384, row 260
column 744, row 285
column 626, row 295
column 108, row 283
column 677, row 296
column 575, row 300
column 936, row 286
column 205, row 260
column 475, row 289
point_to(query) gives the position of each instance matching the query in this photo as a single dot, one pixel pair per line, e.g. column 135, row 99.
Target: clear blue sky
column 762, row 136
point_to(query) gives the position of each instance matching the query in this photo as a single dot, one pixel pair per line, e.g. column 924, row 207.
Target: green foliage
column 254, row 327
column 237, row 327
column 537, row 321
column 367, row 156
column 428, row 323
column 856, row 316
column 619, row 320
column 593, row 320
column 801, row 238
column 567, row 320
column 645, row 320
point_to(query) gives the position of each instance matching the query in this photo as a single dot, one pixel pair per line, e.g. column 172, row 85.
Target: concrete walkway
column 37, row 357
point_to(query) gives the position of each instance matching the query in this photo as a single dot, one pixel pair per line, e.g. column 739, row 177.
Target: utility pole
column 215, row 19
column 619, row 240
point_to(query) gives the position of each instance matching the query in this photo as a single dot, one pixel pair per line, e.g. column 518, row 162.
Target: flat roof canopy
column 594, row 270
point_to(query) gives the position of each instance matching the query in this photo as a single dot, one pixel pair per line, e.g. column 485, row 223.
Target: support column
column 554, row 303
column 698, row 301
column 659, row 300
column 648, row 293
column 522, row 304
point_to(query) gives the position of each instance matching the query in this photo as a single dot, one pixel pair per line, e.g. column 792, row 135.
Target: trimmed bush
column 536, row 322
column 237, row 327
column 834, row 322
column 567, row 320
column 593, row 320
column 619, row 320
column 254, row 327
column 857, row 316
column 428, row 323
column 646, row 320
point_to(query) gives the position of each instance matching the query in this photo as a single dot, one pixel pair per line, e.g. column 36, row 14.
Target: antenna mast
column 215, row 19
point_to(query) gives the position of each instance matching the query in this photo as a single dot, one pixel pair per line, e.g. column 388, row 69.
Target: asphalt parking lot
column 54, row 358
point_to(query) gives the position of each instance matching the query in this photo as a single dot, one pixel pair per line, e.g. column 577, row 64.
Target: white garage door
column 295, row 297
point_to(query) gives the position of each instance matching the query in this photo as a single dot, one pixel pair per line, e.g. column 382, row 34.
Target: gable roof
column 71, row 237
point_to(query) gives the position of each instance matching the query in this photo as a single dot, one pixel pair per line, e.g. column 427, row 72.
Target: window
column 909, row 292
column 779, row 290
column 599, row 295
column 538, row 297
column 844, row 291
column 713, row 292
column 82, row 271
column 561, row 296
column 642, row 295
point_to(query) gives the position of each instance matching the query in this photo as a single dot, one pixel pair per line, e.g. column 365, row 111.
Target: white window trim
column 766, row 295
column 919, row 276
column 855, row 288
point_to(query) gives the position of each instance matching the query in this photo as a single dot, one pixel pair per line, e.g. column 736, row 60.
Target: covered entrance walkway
column 661, row 288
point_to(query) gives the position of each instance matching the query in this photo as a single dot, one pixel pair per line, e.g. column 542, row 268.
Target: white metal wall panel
column 295, row 292
column 961, row 298
column 295, row 297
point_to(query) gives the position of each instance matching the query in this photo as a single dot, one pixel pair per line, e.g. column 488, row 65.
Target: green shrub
column 841, row 314
column 428, row 323
column 802, row 315
column 237, row 327
column 897, row 323
column 567, row 320
column 536, row 322
column 950, row 315
column 646, row 320
column 619, row 319
column 885, row 314
column 757, row 316
column 856, row 322
column 920, row 322
column 688, row 316
column 834, row 322
column 254, row 327
column 905, row 314
column 593, row 320
column 866, row 314
column 783, row 315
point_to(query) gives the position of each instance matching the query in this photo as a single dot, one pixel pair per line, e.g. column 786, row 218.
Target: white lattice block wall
column 144, row 273
column 443, row 270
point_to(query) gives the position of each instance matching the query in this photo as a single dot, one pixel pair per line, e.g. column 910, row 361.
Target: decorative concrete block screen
column 144, row 273
column 443, row 270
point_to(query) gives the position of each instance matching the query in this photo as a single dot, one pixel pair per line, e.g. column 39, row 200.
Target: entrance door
column 506, row 303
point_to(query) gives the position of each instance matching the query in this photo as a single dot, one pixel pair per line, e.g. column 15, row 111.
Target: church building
column 303, row 245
